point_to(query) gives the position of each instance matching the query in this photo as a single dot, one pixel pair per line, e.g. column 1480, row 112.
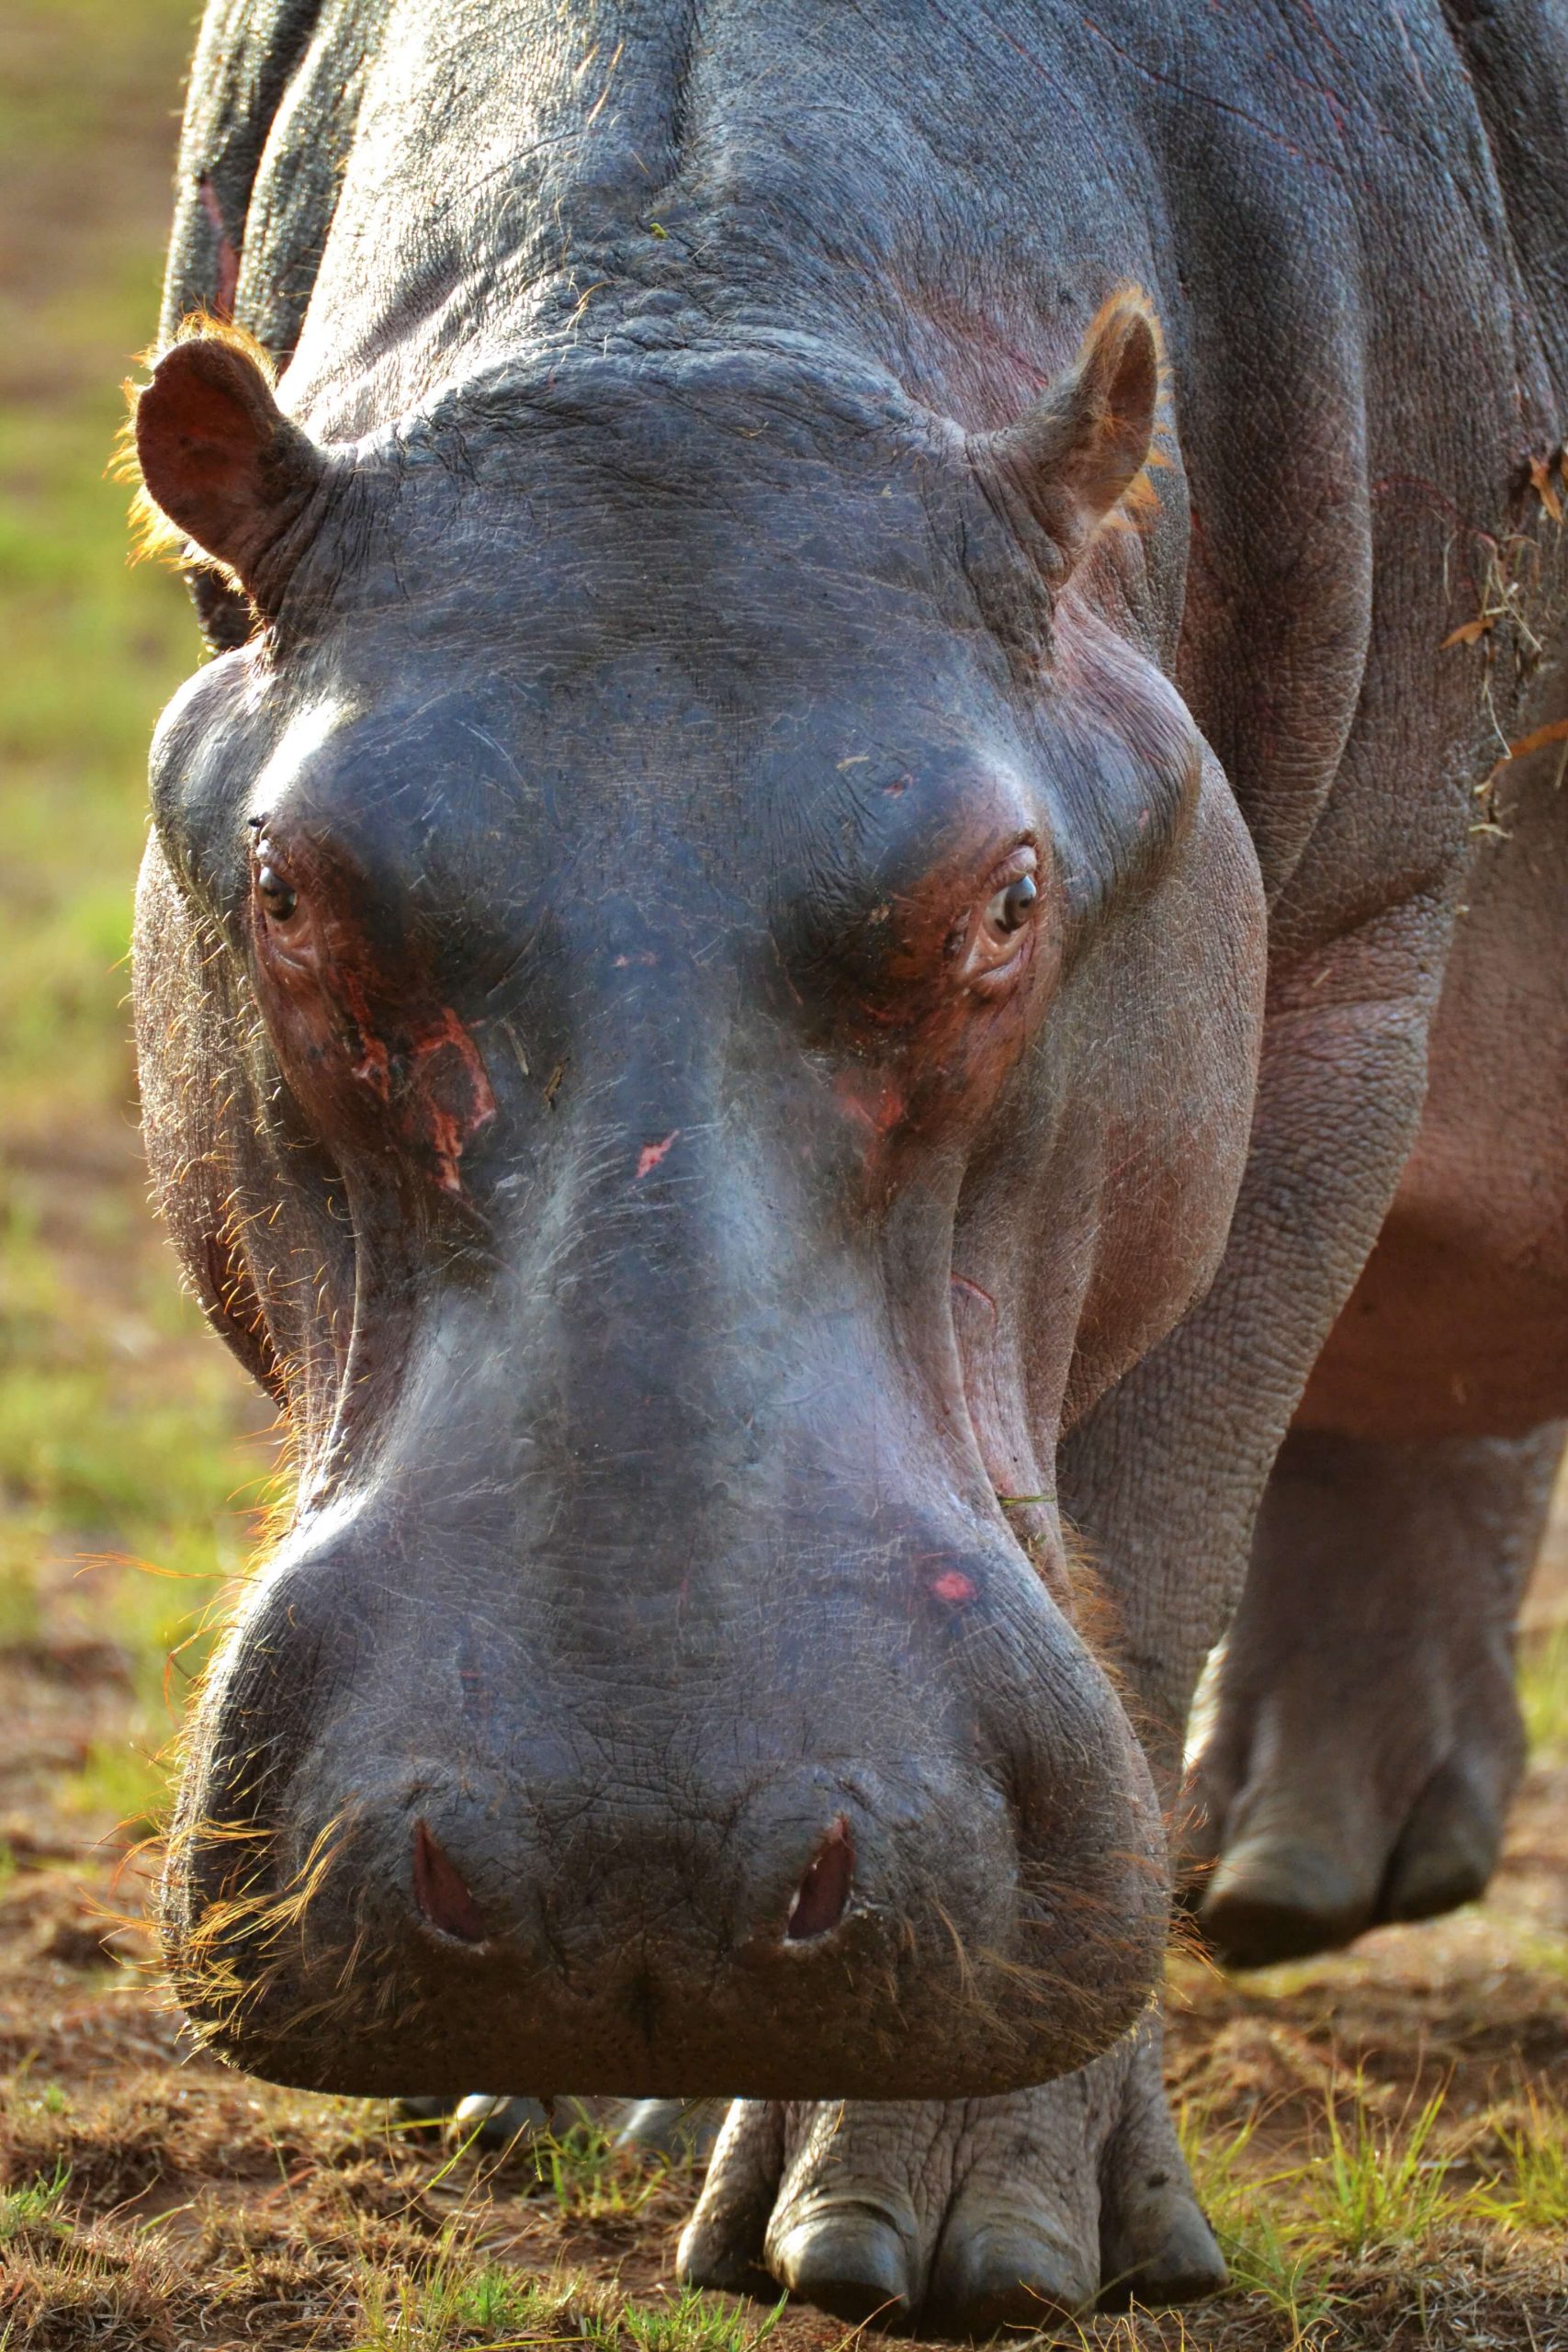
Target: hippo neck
column 514, row 184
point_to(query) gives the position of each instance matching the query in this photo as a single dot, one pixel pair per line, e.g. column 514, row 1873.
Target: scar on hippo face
column 339, row 1005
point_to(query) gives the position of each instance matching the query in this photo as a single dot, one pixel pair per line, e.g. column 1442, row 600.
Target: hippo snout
column 811, row 1863
column 933, row 1872
column 818, row 1901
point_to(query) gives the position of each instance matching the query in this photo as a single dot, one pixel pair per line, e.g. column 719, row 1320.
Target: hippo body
column 792, row 945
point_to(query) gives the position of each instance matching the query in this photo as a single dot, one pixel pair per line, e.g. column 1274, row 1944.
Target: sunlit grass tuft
column 1530, row 2191
column 1379, row 2181
column 694, row 2322
column 461, row 2296
column 35, row 2205
column 1543, row 1692
column 590, row 2177
column 453, row 2299
column 1252, row 2210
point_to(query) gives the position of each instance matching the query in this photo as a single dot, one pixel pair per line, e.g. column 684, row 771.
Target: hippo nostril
column 817, row 1903
column 440, row 1892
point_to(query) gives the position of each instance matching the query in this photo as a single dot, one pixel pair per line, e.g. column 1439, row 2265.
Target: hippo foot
column 1361, row 1740
column 1305, row 1872
column 965, row 2216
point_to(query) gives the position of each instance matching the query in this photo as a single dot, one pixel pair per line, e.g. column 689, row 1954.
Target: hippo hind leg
column 487, row 2122
column 672, row 2128
column 1360, row 1739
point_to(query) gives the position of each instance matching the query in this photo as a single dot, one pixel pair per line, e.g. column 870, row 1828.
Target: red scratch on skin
column 874, row 1098
column 954, row 1586
column 450, row 1129
column 373, row 1069
column 222, row 302
column 448, row 1126
column 416, row 1058
column 652, row 1153
column 963, row 1283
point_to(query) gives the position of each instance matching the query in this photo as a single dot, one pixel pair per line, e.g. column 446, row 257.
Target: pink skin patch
column 222, row 304
column 954, row 1586
column 652, row 1153
column 872, row 1097
column 448, row 1092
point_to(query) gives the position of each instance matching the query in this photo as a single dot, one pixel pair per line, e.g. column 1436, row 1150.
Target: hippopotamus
column 846, row 979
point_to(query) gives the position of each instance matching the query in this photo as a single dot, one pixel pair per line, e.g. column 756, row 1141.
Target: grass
column 461, row 2297
column 1543, row 1692
column 591, row 2178
column 441, row 2296
column 1527, row 2190
column 34, row 2206
column 1377, row 2195
column 1268, row 2251
column 1378, row 2182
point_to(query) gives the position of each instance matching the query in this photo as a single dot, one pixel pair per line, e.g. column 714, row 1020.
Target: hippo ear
column 1063, row 467
column 220, row 459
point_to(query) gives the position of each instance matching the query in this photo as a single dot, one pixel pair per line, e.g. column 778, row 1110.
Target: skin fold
column 787, row 968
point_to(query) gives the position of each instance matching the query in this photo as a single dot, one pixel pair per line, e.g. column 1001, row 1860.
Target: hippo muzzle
column 909, row 1852
column 678, row 1730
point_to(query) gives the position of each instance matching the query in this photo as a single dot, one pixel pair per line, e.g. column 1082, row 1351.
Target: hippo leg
column 674, row 2128
column 1362, row 1739
column 486, row 2119
column 965, row 2216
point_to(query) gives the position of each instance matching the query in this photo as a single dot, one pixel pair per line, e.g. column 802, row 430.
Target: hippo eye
column 998, row 932
column 277, row 893
column 1012, row 905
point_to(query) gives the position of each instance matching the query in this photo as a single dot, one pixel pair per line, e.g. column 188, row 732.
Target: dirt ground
column 1382, row 2138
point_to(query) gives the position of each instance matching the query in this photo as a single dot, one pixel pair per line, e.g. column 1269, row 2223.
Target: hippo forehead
column 731, row 629
column 719, row 620
column 719, row 511
column 482, row 797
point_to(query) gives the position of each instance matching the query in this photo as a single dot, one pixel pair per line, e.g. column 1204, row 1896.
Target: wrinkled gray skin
column 652, row 618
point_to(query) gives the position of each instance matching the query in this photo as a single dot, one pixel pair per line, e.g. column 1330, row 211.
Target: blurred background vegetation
column 125, row 1435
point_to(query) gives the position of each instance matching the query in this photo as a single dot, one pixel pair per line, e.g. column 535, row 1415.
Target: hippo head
column 695, row 995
